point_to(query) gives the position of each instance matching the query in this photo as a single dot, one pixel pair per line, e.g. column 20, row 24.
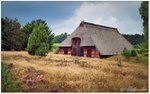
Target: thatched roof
column 106, row 39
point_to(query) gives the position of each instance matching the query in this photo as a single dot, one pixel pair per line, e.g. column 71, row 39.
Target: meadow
column 64, row 73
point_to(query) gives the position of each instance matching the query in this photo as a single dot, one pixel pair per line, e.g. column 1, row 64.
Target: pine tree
column 38, row 42
column 28, row 28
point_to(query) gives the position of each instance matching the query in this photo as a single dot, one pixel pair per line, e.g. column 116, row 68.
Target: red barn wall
column 89, row 51
column 94, row 53
column 62, row 50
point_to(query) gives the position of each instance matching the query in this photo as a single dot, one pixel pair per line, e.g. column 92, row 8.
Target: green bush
column 134, row 53
column 128, row 53
column 38, row 42
column 42, row 49
column 142, row 49
column 8, row 85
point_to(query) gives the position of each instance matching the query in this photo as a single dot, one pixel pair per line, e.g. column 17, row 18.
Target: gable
column 81, row 33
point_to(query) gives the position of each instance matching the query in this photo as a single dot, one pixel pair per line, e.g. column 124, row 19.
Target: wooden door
column 76, row 46
column 89, row 53
column 65, row 51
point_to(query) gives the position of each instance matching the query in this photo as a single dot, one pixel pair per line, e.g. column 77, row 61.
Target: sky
column 65, row 16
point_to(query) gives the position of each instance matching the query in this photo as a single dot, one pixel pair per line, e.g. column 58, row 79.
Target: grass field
column 75, row 74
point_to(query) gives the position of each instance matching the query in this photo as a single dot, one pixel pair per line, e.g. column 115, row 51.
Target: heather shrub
column 8, row 85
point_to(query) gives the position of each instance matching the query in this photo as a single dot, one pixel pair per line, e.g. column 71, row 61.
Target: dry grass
column 68, row 74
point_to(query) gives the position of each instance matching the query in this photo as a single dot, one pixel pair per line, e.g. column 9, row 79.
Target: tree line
column 134, row 39
column 60, row 38
column 35, row 36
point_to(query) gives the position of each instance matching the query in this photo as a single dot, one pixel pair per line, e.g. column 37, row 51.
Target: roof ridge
column 98, row 25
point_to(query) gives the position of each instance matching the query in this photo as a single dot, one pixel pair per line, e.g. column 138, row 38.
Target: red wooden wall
column 89, row 51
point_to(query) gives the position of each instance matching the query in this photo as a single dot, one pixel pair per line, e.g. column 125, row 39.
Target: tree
column 144, row 15
column 134, row 39
column 60, row 38
column 12, row 37
column 38, row 42
column 28, row 28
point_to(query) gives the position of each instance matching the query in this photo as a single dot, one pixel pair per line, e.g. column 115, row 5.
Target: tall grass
column 60, row 73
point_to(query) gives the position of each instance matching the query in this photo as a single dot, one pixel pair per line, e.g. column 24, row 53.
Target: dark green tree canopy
column 144, row 15
column 134, row 39
column 144, row 12
column 28, row 28
column 60, row 38
column 38, row 42
column 12, row 37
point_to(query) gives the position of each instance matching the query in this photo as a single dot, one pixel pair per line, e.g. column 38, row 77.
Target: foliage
column 51, row 40
column 141, row 49
column 28, row 28
column 38, row 42
column 42, row 49
column 8, row 85
column 134, row 53
column 12, row 37
column 134, row 39
column 55, row 46
column 144, row 15
column 60, row 38
column 128, row 53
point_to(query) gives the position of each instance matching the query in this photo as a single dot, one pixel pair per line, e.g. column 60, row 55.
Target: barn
column 93, row 40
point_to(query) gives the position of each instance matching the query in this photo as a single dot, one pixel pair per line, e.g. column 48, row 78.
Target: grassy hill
column 67, row 73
